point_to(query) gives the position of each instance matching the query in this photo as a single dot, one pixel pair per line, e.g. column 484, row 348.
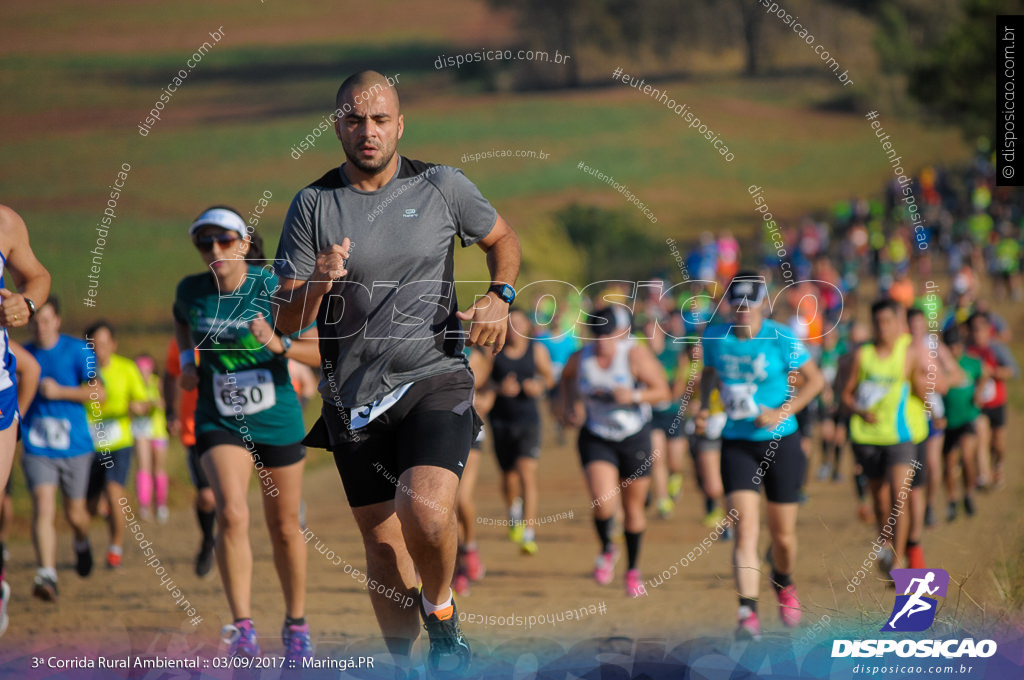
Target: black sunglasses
column 205, row 243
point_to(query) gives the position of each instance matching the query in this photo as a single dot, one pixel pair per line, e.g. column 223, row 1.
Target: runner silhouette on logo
column 915, row 604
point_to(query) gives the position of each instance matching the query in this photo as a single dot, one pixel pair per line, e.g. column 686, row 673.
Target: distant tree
column 893, row 43
column 752, row 19
column 868, row 7
column 562, row 25
column 956, row 77
column 945, row 53
column 634, row 26
column 613, row 242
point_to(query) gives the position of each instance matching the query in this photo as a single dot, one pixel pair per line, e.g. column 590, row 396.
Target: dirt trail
column 130, row 609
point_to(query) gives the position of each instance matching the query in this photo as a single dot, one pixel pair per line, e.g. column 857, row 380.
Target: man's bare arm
column 297, row 302
column 30, row 276
column 489, row 314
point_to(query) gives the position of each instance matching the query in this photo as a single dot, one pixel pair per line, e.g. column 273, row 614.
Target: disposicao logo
column 914, row 611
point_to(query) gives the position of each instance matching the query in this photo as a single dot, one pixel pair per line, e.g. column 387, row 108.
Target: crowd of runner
column 854, row 350
column 851, row 343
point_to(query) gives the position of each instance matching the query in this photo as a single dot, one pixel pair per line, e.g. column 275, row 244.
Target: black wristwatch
column 504, row 291
column 286, row 343
column 31, row 306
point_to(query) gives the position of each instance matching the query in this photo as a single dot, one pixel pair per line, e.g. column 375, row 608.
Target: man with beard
column 366, row 252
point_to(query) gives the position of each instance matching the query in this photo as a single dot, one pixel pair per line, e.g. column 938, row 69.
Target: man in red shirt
column 997, row 358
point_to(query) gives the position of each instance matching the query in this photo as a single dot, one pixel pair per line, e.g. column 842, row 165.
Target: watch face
column 508, row 293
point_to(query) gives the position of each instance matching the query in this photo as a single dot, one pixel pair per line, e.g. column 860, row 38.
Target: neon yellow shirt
column 884, row 391
column 112, row 426
column 153, row 424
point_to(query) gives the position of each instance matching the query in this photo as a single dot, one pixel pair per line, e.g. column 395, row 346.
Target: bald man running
column 366, row 252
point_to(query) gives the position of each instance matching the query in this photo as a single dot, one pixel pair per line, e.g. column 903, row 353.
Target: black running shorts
column 996, row 416
column 109, row 467
column 699, row 444
column 271, row 455
column 955, row 435
column 513, row 441
column 748, row 465
column 807, row 417
column 433, row 424
column 874, row 459
column 632, row 455
column 195, row 469
column 669, row 422
column 921, row 456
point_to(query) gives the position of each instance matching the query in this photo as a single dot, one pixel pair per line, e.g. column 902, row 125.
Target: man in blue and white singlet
column 33, row 284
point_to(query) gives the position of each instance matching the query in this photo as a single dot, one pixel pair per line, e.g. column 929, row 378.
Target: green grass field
column 71, row 116
column 76, row 78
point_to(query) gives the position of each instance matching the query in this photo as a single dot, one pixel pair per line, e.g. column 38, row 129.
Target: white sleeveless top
column 605, row 418
column 7, row 362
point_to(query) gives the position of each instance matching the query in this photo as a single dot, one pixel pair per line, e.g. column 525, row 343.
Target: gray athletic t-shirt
column 391, row 320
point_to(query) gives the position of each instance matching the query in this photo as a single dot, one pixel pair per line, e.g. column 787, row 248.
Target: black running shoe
column 969, row 506
column 449, row 655
column 83, row 561
column 204, row 560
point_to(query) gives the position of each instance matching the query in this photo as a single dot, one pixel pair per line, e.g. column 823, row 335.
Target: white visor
column 752, row 292
column 219, row 217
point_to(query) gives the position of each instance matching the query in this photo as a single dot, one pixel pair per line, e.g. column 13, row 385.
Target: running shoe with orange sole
column 449, row 655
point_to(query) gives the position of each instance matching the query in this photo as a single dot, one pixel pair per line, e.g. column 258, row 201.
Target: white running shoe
column 5, row 597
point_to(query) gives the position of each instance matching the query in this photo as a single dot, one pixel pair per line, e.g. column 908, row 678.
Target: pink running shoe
column 789, row 606
column 240, row 638
column 474, row 567
column 635, row 584
column 604, row 569
column 750, row 626
column 460, row 584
